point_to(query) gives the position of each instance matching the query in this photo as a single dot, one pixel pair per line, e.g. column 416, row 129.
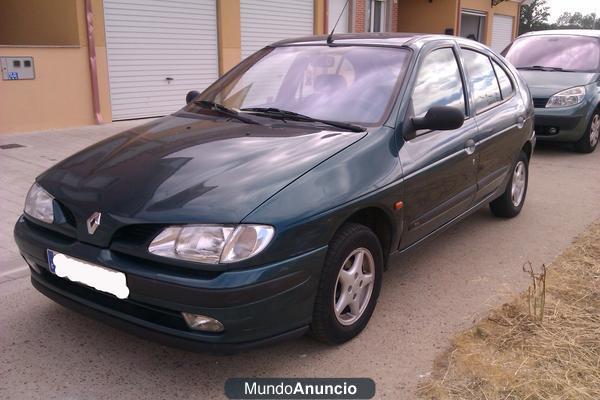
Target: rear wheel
column 590, row 138
column 511, row 202
column 349, row 285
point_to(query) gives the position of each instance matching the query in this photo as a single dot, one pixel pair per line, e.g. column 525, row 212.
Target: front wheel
column 590, row 138
column 511, row 202
column 349, row 286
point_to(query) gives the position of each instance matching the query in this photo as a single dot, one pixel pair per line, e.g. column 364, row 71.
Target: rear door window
column 482, row 80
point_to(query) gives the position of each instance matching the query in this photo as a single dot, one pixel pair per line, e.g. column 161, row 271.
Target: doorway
column 472, row 25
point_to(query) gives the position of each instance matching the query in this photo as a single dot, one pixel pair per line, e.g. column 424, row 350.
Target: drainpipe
column 89, row 17
column 326, row 26
column 458, row 19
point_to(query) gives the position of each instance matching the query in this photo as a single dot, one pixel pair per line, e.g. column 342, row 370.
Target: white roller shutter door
column 266, row 21
column 502, row 32
column 157, row 51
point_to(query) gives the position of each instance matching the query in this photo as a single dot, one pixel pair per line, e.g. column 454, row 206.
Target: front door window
column 438, row 83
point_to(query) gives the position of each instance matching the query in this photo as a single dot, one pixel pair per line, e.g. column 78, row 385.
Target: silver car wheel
column 354, row 286
column 595, row 130
column 519, row 182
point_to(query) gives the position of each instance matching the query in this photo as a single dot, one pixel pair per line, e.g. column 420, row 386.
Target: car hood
column 544, row 84
column 188, row 170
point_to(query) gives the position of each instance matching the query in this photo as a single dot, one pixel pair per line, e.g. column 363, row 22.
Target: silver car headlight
column 566, row 98
column 39, row 204
column 212, row 243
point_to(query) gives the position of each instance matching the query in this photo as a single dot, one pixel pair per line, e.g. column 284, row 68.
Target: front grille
column 540, row 102
column 69, row 217
column 137, row 234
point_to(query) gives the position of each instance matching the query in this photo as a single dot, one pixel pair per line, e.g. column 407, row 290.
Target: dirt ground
column 516, row 353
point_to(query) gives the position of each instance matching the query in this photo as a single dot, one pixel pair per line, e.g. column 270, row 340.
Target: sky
column 557, row 7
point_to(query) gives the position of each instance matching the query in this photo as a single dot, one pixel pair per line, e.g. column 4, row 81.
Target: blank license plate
column 100, row 278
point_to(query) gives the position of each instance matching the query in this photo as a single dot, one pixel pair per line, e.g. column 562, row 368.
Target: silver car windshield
column 347, row 83
column 559, row 52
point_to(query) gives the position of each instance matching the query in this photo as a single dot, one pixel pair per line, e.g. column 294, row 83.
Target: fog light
column 202, row 323
column 552, row 130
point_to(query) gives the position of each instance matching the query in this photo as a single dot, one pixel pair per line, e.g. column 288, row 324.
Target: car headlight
column 211, row 243
column 39, row 204
column 567, row 98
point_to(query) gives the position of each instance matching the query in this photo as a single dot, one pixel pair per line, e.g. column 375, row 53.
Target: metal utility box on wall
column 17, row 68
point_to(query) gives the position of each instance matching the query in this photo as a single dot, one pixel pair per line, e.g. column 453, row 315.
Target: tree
column 534, row 17
column 577, row 21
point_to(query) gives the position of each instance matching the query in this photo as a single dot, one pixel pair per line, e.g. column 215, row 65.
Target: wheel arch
column 380, row 222
column 527, row 149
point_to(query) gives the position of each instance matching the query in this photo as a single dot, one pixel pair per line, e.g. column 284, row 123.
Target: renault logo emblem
column 93, row 222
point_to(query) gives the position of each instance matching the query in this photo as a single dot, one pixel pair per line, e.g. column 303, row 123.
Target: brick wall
column 359, row 16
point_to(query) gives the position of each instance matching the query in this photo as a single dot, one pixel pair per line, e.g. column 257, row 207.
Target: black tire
column 586, row 144
column 503, row 206
column 325, row 325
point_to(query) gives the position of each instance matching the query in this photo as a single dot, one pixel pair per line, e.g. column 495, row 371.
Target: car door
column 438, row 166
column 499, row 116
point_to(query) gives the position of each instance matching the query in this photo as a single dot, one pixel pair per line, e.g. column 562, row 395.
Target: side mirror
column 191, row 96
column 440, row 118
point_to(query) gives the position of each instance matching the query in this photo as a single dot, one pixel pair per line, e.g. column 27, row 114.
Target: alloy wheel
column 595, row 130
column 354, row 286
column 519, row 182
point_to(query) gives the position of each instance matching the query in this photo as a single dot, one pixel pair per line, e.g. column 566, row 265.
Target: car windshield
column 353, row 84
column 556, row 52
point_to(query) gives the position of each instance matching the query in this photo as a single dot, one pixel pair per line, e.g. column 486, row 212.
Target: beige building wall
column 509, row 8
column 229, row 31
column 423, row 16
column 60, row 95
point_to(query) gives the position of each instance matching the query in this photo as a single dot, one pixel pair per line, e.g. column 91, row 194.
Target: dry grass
column 512, row 355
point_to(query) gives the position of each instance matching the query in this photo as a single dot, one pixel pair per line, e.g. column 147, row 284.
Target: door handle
column 169, row 79
column 470, row 146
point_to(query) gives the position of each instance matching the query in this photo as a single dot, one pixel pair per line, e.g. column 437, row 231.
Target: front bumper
column 257, row 306
column 566, row 124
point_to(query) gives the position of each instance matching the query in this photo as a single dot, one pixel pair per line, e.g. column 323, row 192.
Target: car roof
column 566, row 32
column 393, row 39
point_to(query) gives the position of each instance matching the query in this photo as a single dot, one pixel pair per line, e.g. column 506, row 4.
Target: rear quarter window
column 506, row 85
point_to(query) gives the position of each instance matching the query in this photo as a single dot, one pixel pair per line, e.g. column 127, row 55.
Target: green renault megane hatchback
column 270, row 204
column 562, row 69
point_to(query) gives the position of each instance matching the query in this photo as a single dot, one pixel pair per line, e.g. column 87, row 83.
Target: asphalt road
column 436, row 290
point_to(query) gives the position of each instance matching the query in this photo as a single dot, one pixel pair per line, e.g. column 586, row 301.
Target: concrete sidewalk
column 19, row 166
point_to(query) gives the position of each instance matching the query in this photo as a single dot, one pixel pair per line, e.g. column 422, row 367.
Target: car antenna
column 330, row 37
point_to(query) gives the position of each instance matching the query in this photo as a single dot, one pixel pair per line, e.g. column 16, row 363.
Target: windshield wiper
column 284, row 114
column 211, row 105
column 542, row 68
